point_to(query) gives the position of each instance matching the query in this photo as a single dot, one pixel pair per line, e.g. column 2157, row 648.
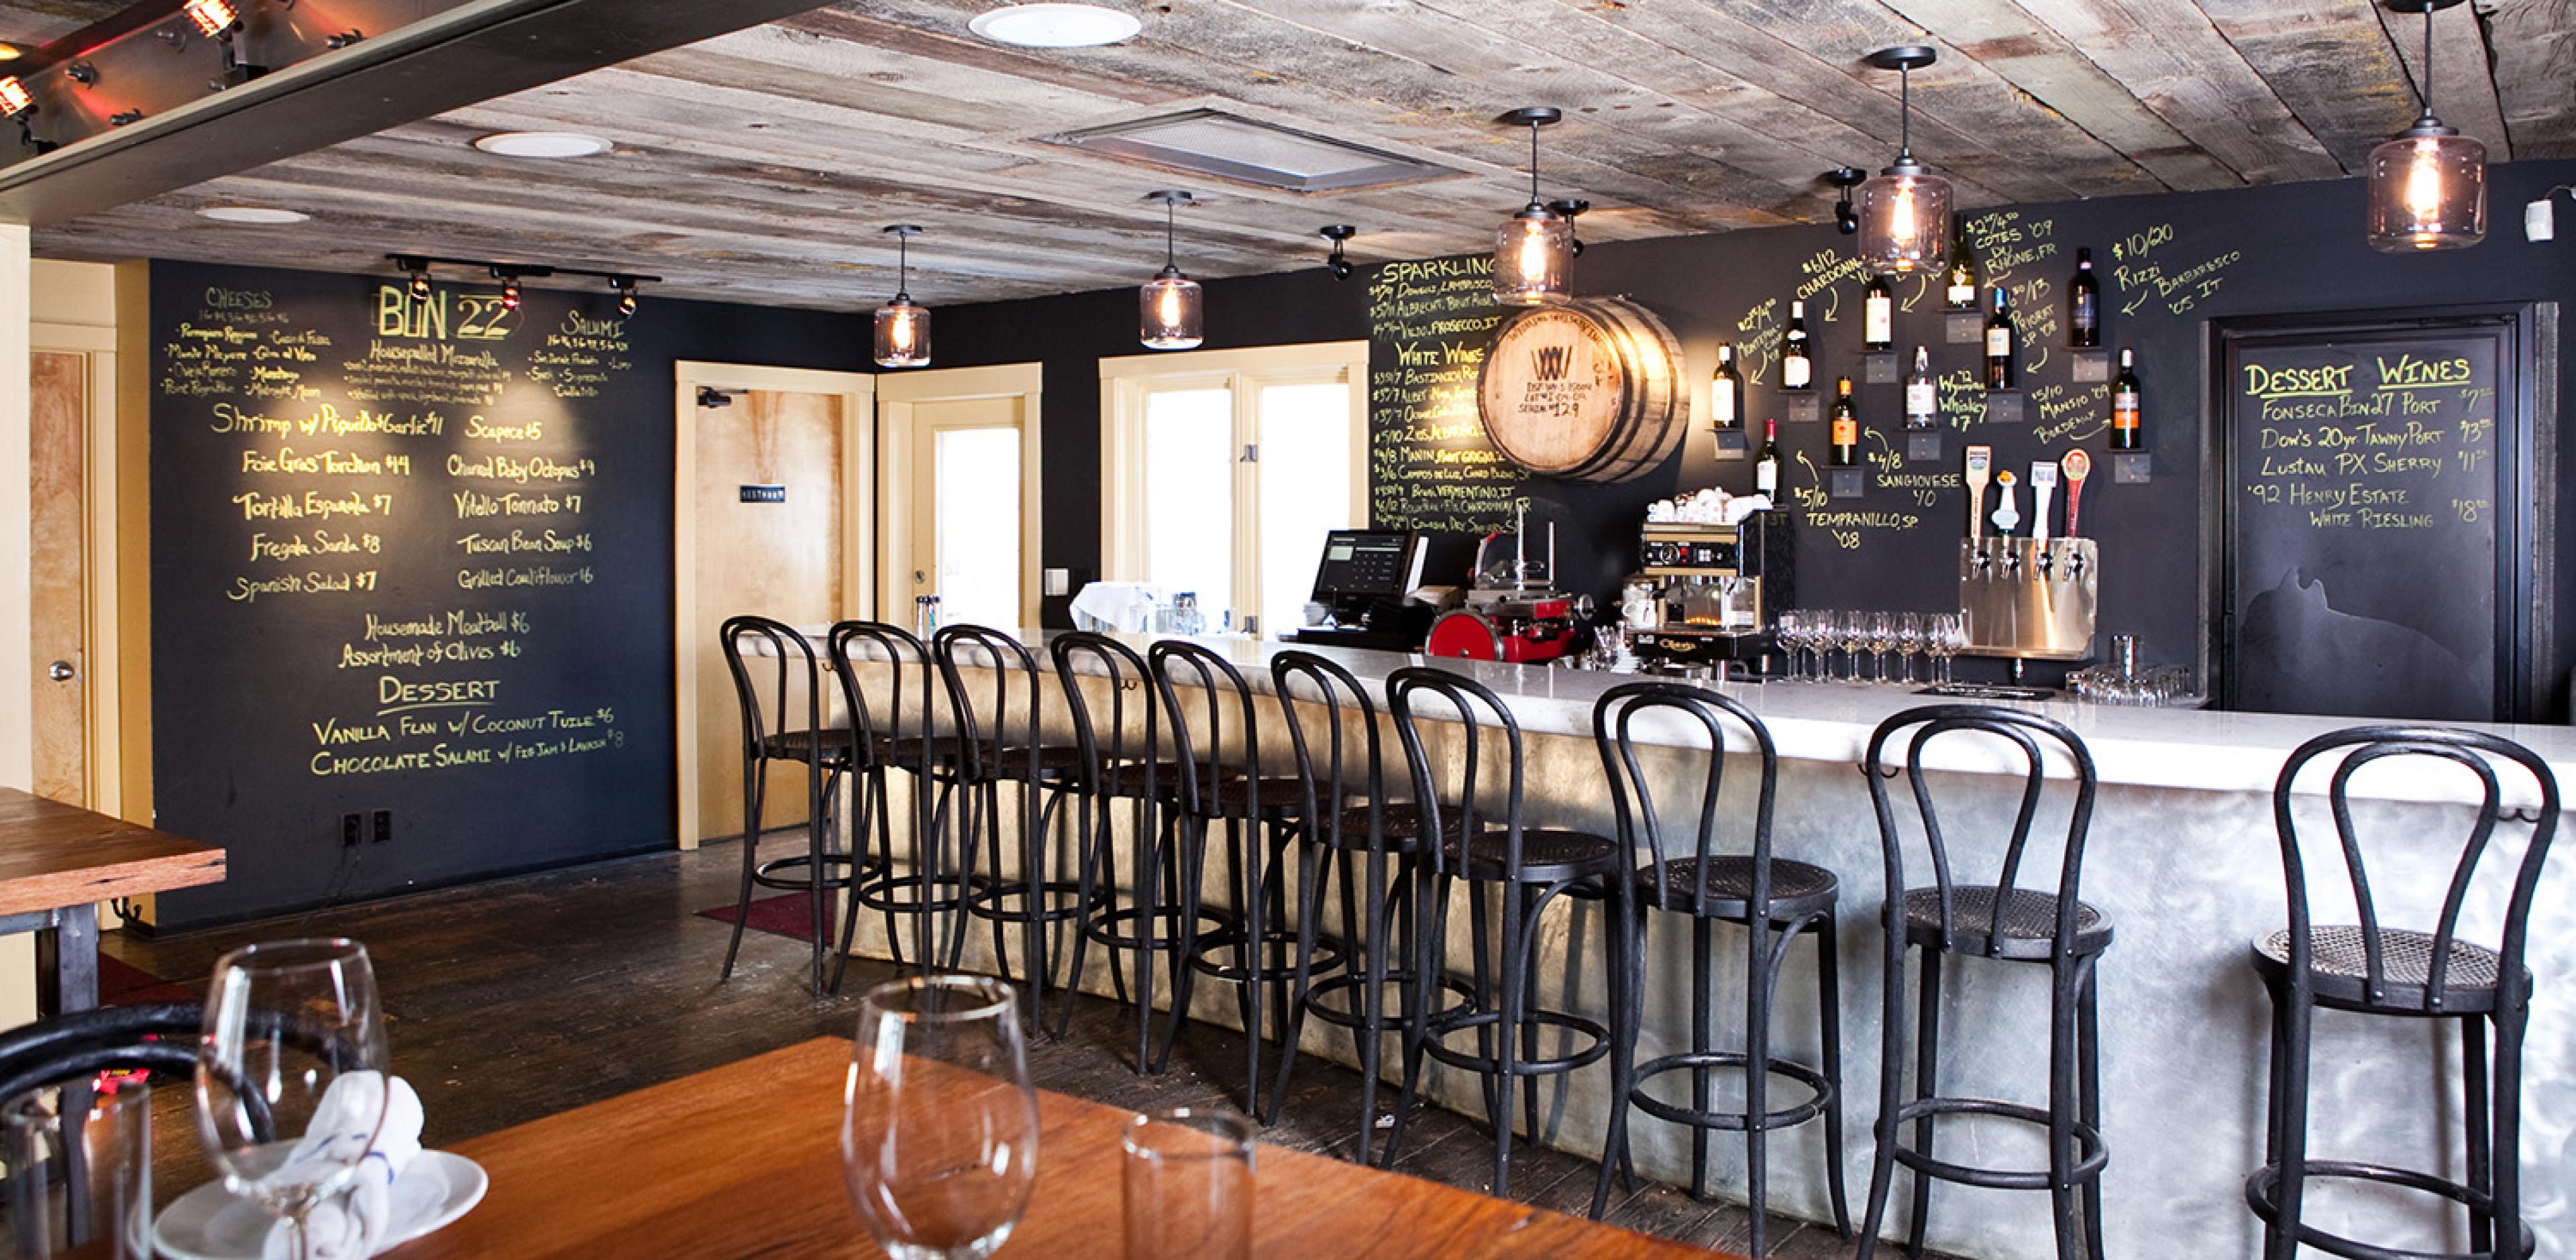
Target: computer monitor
column 1364, row 564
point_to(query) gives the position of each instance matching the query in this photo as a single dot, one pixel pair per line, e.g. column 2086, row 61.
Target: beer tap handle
column 2078, row 466
column 1980, row 462
column 2043, row 482
column 2007, row 515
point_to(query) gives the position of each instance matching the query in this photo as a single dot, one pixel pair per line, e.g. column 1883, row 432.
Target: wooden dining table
column 57, row 862
column 744, row 1160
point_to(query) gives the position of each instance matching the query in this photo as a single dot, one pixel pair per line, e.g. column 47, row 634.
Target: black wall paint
column 2299, row 249
column 251, row 696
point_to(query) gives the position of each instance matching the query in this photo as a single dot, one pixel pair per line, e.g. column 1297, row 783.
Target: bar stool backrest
column 1351, row 765
column 2035, row 739
column 1219, row 699
column 1482, row 719
column 2482, row 755
column 909, row 711
column 791, row 666
column 1105, row 739
column 1632, row 801
column 1007, row 725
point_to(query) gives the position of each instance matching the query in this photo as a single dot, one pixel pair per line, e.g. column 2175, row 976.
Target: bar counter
column 2184, row 862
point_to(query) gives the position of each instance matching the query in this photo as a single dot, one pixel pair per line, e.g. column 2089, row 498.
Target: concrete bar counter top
column 2182, row 859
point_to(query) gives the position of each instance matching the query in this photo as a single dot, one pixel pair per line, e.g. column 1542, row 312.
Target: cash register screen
column 1365, row 562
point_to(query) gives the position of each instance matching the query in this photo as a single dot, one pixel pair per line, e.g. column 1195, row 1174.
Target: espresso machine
column 1714, row 589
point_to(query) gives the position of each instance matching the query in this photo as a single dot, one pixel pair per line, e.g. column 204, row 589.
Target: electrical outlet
column 350, row 825
column 384, row 825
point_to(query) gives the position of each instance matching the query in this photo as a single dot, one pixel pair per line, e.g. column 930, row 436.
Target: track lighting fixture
column 624, row 286
column 1845, row 178
column 82, row 73
column 1534, row 249
column 902, row 325
column 417, row 267
column 509, row 287
column 1338, row 263
column 214, row 18
column 1170, row 306
column 1570, row 209
column 1905, row 209
column 15, row 101
column 2428, row 184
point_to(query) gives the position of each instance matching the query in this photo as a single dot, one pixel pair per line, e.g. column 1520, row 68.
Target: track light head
column 626, row 299
column 509, row 279
column 1338, row 263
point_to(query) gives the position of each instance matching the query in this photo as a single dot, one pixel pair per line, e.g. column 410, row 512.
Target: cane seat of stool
column 2004, row 922
column 1399, row 822
column 1691, row 877
column 2373, row 968
column 1547, row 857
column 2029, row 929
column 832, row 746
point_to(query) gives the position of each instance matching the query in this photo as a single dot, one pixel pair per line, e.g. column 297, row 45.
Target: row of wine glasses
column 1816, row 634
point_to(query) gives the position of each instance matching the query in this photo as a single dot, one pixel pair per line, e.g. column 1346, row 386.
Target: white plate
column 208, row 1223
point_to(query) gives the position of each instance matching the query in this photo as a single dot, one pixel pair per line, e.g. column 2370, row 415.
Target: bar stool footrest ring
column 1471, row 1061
column 879, row 893
column 1102, row 928
column 1212, row 958
column 1733, row 1121
column 1390, row 1017
column 2262, row 1189
column 2088, row 1139
column 986, row 902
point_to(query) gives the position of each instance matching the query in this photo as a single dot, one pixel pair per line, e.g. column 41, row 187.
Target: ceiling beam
column 466, row 54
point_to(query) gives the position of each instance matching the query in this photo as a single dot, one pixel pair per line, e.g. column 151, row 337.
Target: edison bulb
column 1169, row 307
column 902, row 334
column 1533, row 257
column 1904, row 216
column 2427, row 191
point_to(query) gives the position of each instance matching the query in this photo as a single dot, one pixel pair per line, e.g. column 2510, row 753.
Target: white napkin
column 350, row 1224
column 1116, row 605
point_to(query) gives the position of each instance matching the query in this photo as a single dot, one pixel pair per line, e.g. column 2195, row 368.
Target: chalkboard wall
column 414, row 557
column 2168, row 265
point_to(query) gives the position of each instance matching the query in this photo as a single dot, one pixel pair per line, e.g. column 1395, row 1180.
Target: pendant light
column 903, row 327
column 1168, row 306
column 1905, row 209
column 1533, row 250
column 2428, row 183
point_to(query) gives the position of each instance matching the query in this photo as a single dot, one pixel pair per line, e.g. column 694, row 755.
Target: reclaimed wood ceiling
column 760, row 166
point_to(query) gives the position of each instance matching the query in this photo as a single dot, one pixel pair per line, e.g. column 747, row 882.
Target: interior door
column 769, row 532
column 58, row 594
column 965, row 525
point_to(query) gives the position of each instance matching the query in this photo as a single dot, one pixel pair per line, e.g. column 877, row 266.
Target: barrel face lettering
column 1588, row 390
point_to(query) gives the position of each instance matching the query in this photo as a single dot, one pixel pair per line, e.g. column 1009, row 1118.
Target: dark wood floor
column 513, row 1000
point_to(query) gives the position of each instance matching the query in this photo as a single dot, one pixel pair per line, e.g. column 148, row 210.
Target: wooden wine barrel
column 1588, row 390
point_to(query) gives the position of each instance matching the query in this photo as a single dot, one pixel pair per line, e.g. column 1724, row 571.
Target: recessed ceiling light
column 1055, row 25
column 264, row 215
column 542, row 144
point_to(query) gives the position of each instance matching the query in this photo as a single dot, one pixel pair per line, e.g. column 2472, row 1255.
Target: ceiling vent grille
column 1221, row 145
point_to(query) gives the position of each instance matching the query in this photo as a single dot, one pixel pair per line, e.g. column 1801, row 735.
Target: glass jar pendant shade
column 2428, row 184
column 902, row 325
column 1534, row 249
column 1170, row 308
column 1904, row 210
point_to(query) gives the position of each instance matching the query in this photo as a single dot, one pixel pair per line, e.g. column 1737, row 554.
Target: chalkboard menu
column 409, row 562
column 2375, row 520
column 1430, row 466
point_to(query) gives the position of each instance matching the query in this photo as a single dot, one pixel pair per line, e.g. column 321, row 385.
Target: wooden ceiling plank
column 2464, row 80
column 2173, row 63
column 1964, row 94
column 1726, row 45
column 2534, row 42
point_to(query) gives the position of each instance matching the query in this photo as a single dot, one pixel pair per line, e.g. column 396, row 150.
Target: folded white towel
column 351, row 1224
column 1115, row 605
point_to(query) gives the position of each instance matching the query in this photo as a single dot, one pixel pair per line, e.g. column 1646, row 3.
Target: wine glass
column 1909, row 644
column 1852, row 628
column 939, row 1134
column 1790, row 628
column 294, row 1044
column 1881, row 628
column 1953, row 639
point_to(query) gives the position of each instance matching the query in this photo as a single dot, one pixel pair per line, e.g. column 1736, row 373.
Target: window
column 1222, row 471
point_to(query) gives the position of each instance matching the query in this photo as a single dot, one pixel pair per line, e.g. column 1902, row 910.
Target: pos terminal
column 1362, row 584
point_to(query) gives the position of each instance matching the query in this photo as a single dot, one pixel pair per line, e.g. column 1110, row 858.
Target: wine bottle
column 2001, row 370
column 2124, row 406
column 1726, row 394
column 1845, row 434
column 1766, row 462
column 1878, row 317
column 1922, row 393
column 2084, row 305
column 1796, row 370
column 1962, row 294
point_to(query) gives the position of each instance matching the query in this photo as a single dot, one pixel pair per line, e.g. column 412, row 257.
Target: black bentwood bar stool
column 1225, row 784
column 1524, row 868
column 770, row 732
column 1121, row 762
column 1375, row 845
column 1775, row 899
column 902, row 732
column 1001, row 728
column 2004, row 922
column 2370, row 968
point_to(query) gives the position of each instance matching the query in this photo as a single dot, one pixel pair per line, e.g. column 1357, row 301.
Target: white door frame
column 101, row 666
column 897, row 395
column 857, row 391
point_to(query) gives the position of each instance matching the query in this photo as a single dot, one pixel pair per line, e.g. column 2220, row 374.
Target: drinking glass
column 294, row 1045
column 1789, row 628
column 939, row 1133
column 1852, row 628
column 1953, row 639
column 80, row 1170
column 1909, row 644
column 1189, row 1185
column 1880, row 627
